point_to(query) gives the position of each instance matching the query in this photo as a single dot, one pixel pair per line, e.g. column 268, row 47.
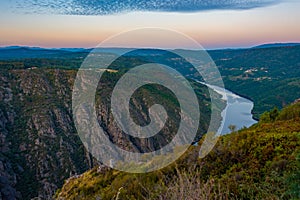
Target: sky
column 85, row 23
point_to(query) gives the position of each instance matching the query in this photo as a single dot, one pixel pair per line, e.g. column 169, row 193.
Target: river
column 237, row 111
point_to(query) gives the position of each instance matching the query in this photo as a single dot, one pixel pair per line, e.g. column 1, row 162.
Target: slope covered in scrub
column 260, row 162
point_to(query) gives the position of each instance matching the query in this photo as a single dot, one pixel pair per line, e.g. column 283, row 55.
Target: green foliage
column 270, row 116
column 274, row 114
column 265, row 117
column 287, row 113
column 290, row 112
column 293, row 181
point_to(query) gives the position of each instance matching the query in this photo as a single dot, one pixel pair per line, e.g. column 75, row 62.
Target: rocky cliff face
column 8, row 175
column 39, row 145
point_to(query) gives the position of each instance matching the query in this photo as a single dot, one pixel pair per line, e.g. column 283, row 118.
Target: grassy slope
column 261, row 162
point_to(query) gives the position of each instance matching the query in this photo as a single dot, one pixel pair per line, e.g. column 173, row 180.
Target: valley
column 40, row 148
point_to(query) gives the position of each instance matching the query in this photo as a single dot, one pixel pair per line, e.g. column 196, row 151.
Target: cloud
column 105, row 7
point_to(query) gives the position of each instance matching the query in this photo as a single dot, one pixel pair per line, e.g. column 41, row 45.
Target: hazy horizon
column 241, row 25
column 221, row 48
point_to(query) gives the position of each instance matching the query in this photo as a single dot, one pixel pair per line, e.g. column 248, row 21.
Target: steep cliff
column 39, row 144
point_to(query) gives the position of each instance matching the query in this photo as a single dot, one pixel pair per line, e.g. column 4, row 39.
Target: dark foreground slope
column 261, row 162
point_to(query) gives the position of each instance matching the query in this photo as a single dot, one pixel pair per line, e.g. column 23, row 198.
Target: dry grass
column 187, row 185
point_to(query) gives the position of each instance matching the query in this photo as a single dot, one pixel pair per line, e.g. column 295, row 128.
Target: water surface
column 237, row 111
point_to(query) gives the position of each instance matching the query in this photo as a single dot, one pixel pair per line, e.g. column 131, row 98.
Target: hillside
column 261, row 162
column 37, row 134
column 277, row 45
column 39, row 145
column 267, row 76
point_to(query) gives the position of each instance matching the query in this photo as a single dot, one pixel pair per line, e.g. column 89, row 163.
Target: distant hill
column 72, row 49
column 276, row 45
column 23, row 52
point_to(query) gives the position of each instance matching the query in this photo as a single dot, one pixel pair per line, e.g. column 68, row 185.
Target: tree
column 274, row 114
column 232, row 127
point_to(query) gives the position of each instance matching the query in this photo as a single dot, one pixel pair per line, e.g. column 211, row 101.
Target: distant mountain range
column 24, row 52
column 40, row 48
column 20, row 52
column 276, row 45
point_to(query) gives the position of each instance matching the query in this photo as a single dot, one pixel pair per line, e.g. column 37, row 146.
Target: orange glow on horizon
column 215, row 29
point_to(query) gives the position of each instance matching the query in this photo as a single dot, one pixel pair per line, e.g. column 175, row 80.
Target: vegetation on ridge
column 260, row 162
